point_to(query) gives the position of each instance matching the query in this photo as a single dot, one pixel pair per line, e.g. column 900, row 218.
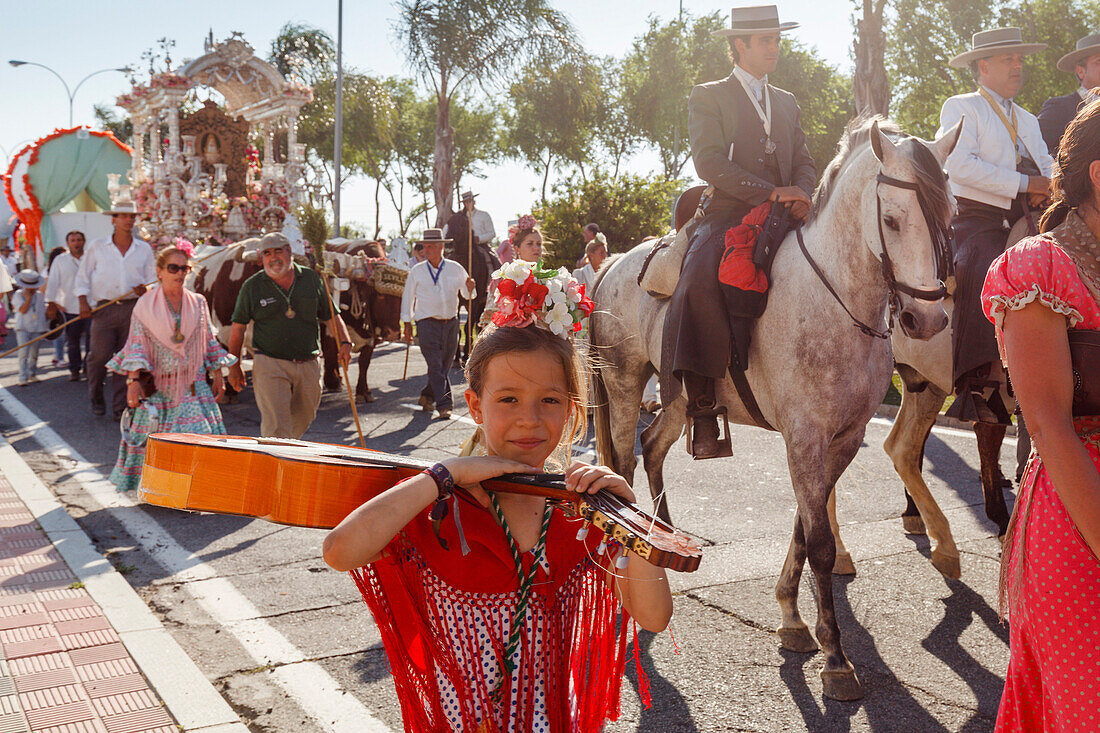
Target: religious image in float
column 215, row 172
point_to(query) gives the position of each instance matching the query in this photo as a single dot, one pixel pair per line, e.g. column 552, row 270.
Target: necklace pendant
column 290, row 312
column 177, row 337
column 769, row 147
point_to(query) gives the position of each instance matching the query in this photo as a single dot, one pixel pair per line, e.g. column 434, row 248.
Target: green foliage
column 823, row 93
column 627, row 209
column 314, row 226
column 925, row 34
column 120, row 127
column 658, row 74
column 303, row 51
column 555, row 106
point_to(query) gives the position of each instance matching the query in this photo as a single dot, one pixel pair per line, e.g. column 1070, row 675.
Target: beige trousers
column 287, row 393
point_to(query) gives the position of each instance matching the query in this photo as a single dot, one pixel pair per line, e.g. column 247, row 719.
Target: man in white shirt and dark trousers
column 431, row 298
column 61, row 298
column 998, row 171
column 113, row 267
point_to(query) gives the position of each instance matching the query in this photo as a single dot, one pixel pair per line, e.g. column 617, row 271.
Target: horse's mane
column 857, row 135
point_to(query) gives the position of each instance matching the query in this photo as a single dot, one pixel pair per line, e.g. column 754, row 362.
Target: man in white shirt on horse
column 999, row 171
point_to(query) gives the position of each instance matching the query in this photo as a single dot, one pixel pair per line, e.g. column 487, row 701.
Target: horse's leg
column 793, row 632
column 810, row 462
column 622, row 406
column 362, row 389
column 990, row 438
column 905, row 446
column 331, row 377
column 657, row 439
column 911, row 520
column 843, row 564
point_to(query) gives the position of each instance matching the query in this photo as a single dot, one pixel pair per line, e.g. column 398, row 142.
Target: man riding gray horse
column 747, row 143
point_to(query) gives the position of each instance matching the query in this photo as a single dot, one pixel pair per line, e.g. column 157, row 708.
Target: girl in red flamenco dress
column 1050, row 572
column 508, row 619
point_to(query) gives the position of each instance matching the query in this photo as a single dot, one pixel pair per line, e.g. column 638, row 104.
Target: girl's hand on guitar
column 588, row 479
column 468, row 472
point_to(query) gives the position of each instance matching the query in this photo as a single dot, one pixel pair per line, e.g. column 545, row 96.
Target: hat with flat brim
column 430, row 236
column 1087, row 46
column 468, row 196
column 29, row 278
column 990, row 43
column 754, row 19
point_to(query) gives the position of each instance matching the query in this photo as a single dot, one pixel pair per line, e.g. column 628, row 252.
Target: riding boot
column 704, row 435
column 971, row 404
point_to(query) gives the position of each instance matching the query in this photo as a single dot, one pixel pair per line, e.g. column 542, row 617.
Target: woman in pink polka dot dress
column 1050, row 575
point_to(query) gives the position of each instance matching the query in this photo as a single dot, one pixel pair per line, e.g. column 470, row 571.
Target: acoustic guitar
column 316, row 485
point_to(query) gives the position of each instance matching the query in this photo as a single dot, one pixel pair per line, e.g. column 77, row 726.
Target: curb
column 187, row 694
column 891, row 411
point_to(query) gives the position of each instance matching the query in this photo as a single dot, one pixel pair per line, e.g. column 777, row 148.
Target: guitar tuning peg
column 603, row 547
column 622, row 561
column 582, row 533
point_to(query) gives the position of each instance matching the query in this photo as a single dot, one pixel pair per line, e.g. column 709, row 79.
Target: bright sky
column 76, row 37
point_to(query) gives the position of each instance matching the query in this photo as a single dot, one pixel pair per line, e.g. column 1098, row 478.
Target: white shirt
column 12, row 263
column 59, row 285
column 586, row 276
column 756, row 85
column 482, row 225
column 425, row 297
column 982, row 167
column 6, row 285
column 106, row 274
column 34, row 320
column 1086, row 94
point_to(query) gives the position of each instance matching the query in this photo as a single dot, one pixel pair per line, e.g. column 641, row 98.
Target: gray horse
column 816, row 378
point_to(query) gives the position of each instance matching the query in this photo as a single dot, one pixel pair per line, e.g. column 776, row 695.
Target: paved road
column 292, row 648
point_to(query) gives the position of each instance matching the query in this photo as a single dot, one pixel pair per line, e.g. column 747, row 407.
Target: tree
column 456, row 44
column 616, row 135
column 554, row 113
column 303, row 51
column 823, row 93
column 121, row 127
column 627, row 209
column 658, row 74
column 870, row 85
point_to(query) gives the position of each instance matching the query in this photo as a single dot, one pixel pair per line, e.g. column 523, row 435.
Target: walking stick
column 100, row 307
column 405, row 371
column 469, row 273
column 347, row 380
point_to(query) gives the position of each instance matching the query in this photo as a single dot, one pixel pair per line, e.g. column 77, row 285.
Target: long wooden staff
column 405, row 371
column 100, row 307
column 335, row 336
column 469, row 273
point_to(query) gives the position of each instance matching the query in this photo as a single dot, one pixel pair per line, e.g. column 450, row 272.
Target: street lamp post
column 71, row 94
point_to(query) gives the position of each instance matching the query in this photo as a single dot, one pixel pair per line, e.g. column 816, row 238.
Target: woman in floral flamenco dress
column 1038, row 293
column 170, row 337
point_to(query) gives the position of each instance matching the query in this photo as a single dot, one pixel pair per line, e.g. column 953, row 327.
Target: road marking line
column 306, row 683
column 940, row 429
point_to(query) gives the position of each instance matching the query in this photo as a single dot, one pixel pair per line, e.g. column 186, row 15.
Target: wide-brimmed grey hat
column 1087, row 46
column 990, row 43
column 468, row 196
column 432, row 235
column 753, row 19
column 29, row 278
column 273, row 240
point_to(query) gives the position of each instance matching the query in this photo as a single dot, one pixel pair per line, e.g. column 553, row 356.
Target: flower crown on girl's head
column 529, row 294
column 526, row 223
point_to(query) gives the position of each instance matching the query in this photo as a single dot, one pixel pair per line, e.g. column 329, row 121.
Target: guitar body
column 317, row 485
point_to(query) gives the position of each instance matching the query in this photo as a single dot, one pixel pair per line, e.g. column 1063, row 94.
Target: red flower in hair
column 519, row 303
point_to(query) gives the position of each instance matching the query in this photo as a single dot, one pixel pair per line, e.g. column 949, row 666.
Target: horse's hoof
column 368, row 397
column 840, row 684
column 948, row 565
column 843, row 564
column 913, row 524
column 797, row 639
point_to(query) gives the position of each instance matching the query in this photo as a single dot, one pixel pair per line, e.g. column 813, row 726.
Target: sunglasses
column 174, row 269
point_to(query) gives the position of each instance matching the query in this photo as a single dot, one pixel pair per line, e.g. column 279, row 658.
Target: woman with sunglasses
column 170, row 350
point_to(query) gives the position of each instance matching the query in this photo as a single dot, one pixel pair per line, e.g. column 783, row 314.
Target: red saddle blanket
column 736, row 267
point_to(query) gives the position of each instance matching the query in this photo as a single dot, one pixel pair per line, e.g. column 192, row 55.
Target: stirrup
column 724, row 444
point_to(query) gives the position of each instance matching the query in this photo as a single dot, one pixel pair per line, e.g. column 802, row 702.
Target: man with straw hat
column 114, row 268
column 1084, row 63
column 998, row 171
column 747, row 143
column 431, row 295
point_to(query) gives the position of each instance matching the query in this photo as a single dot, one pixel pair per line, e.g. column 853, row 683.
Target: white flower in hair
column 559, row 319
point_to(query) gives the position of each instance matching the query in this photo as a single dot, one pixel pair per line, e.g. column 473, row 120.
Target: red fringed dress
column 445, row 617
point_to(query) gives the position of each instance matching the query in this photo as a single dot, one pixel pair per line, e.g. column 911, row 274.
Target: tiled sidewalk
column 64, row 668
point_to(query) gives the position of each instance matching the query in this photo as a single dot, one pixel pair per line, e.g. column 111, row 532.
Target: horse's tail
column 601, row 410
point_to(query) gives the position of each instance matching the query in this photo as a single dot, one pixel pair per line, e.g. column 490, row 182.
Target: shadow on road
column 673, row 713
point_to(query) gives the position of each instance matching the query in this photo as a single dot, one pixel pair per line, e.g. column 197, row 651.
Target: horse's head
column 912, row 206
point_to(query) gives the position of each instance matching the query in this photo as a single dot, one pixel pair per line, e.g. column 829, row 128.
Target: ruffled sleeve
column 1034, row 270
column 133, row 355
column 216, row 356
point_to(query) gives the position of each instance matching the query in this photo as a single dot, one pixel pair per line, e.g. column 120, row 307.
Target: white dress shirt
column 982, row 167
column 106, row 274
column 482, row 224
column 1086, row 95
column 756, row 85
column 59, row 285
column 34, row 320
column 586, row 276
column 425, row 297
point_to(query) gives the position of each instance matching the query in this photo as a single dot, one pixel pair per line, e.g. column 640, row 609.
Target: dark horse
column 481, row 265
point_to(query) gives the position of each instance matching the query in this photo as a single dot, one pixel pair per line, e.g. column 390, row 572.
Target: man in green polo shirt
column 286, row 303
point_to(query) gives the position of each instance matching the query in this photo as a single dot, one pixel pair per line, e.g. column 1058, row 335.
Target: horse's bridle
column 940, row 248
